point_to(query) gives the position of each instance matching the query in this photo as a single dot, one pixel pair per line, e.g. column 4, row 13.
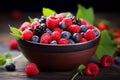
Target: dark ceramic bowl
column 58, row 57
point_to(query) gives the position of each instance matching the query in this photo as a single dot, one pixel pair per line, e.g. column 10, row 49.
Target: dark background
column 59, row 5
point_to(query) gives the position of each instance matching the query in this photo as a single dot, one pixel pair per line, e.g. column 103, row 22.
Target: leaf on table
column 106, row 45
column 48, row 11
column 8, row 55
column 87, row 14
column 2, row 59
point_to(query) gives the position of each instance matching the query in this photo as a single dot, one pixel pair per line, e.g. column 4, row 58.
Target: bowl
column 59, row 57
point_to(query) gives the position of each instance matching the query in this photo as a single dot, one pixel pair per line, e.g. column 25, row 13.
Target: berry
column 76, row 37
column 42, row 19
column 83, row 28
column 116, row 33
column 90, row 26
column 69, row 15
column 102, row 26
column 82, row 40
column 89, row 35
column 16, row 14
column 83, row 22
column 117, row 60
column 91, row 69
column 52, row 22
column 48, row 31
column 61, row 16
column 67, row 21
column 74, row 29
column 31, row 69
column 71, row 41
column 53, row 42
column 56, row 35
column 96, row 32
column 45, row 38
column 27, row 34
column 36, row 19
column 63, row 41
column 62, row 25
column 35, row 38
column 34, row 24
column 66, row 34
column 13, row 44
column 57, row 29
column 117, row 40
column 24, row 26
column 107, row 61
column 10, row 67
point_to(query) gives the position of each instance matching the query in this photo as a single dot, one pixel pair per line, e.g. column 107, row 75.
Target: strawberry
column 45, row 38
column 107, row 60
column 31, row 69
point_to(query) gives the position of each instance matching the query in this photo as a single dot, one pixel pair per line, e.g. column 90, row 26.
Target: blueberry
column 70, row 15
column 36, row 19
column 35, row 38
column 66, row 34
column 83, row 28
column 117, row 60
column 96, row 32
column 53, row 42
column 48, row 30
column 10, row 67
column 71, row 41
column 62, row 25
column 76, row 37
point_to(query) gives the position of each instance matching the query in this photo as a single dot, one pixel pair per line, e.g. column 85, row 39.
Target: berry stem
column 17, row 57
column 75, row 76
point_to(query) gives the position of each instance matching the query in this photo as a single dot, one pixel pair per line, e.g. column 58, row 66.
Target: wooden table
column 111, row 73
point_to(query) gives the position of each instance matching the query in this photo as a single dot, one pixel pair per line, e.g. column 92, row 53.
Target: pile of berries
column 58, row 29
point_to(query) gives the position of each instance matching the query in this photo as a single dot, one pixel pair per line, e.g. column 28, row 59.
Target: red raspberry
column 56, row 35
column 67, row 21
column 107, row 61
column 27, row 34
column 82, row 40
column 91, row 69
column 13, row 44
column 45, row 38
column 116, row 33
column 83, row 22
column 52, row 22
column 31, row 69
column 89, row 34
column 34, row 24
column 63, row 41
column 102, row 26
column 90, row 26
column 58, row 29
column 61, row 16
column 74, row 29
column 24, row 26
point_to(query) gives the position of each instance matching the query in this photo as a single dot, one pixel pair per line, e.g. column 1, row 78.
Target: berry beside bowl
column 58, row 42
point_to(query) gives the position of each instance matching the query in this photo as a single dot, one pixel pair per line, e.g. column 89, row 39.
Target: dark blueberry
column 76, row 37
column 38, row 31
column 62, row 25
column 117, row 60
column 96, row 32
column 10, row 67
column 35, row 38
column 71, row 41
column 70, row 15
column 36, row 19
column 78, row 21
column 66, row 34
column 83, row 28
column 42, row 26
column 53, row 42
column 48, row 30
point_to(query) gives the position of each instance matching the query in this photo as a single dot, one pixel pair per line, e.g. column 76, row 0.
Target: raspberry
column 74, row 29
column 82, row 40
column 107, row 61
column 13, row 44
column 31, row 69
column 27, row 34
column 91, row 69
column 61, row 16
column 63, row 41
column 45, row 38
column 57, row 29
column 56, row 35
column 34, row 24
column 116, row 33
column 90, row 26
column 24, row 26
column 67, row 21
column 83, row 22
column 89, row 34
column 52, row 22
column 102, row 26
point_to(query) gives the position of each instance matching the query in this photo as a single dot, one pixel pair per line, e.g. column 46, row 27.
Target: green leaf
column 106, row 45
column 48, row 12
column 8, row 55
column 2, row 59
column 81, row 67
column 15, row 32
column 87, row 14
column 31, row 19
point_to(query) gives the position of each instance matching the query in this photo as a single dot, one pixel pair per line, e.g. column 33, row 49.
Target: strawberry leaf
column 15, row 32
column 30, row 19
column 48, row 12
column 106, row 45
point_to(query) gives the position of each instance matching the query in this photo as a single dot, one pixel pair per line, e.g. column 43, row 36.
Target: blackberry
column 43, row 19
column 76, row 20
